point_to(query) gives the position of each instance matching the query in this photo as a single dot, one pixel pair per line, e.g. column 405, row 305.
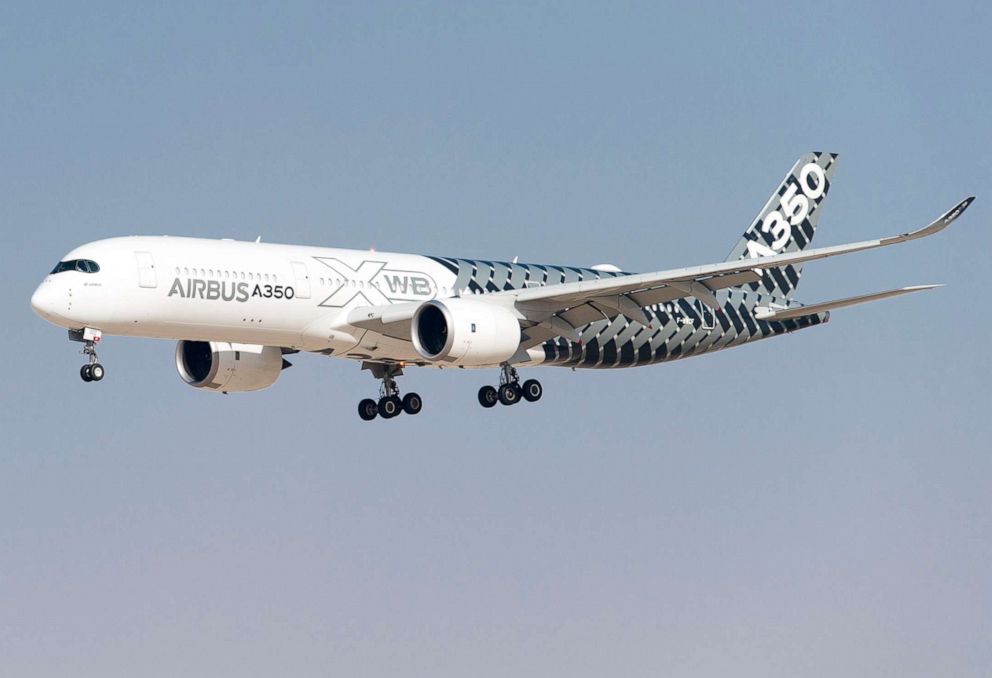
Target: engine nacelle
column 220, row 366
column 465, row 332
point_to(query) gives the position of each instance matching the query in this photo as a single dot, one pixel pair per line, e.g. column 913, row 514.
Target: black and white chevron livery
column 679, row 329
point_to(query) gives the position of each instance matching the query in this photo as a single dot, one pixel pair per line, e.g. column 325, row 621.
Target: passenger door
column 301, row 287
column 146, row 269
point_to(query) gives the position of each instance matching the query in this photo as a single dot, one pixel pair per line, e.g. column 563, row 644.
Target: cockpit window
column 81, row 265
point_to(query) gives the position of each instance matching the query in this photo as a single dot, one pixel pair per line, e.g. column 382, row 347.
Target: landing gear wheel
column 533, row 390
column 412, row 404
column 96, row 371
column 85, row 374
column 488, row 396
column 509, row 394
column 389, row 407
column 367, row 409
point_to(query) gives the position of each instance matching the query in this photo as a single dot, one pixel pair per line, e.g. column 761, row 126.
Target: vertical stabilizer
column 787, row 222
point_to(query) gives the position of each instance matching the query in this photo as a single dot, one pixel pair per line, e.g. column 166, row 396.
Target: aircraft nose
column 44, row 301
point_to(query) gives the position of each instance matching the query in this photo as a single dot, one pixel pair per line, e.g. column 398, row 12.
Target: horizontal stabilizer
column 766, row 313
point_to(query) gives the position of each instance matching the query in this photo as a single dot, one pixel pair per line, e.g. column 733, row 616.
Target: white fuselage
column 289, row 296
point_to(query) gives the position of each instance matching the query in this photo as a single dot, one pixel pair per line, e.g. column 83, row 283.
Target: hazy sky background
column 815, row 505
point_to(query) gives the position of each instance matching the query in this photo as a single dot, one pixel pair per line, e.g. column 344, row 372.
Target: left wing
column 562, row 308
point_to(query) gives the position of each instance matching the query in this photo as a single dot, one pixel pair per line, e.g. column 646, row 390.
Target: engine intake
column 226, row 367
column 465, row 332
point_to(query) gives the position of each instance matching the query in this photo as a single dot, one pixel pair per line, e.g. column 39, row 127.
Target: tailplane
column 787, row 313
column 787, row 223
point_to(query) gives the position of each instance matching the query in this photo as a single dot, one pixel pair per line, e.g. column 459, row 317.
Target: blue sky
column 814, row 505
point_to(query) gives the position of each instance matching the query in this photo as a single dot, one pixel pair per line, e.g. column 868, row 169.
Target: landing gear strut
column 92, row 370
column 390, row 404
column 510, row 391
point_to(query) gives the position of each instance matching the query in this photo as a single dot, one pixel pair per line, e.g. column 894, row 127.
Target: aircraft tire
column 412, row 403
column 488, row 396
column 367, row 409
column 533, row 390
column 509, row 394
column 389, row 407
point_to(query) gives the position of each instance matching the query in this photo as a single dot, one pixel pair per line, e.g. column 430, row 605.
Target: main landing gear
column 92, row 370
column 390, row 404
column 510, row 391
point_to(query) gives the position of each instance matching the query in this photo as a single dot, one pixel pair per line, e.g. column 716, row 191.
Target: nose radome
column 44, row 300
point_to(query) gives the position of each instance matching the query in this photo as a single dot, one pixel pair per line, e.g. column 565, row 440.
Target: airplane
column 237, row 309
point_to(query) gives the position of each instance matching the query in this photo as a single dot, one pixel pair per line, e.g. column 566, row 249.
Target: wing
column 559, row 309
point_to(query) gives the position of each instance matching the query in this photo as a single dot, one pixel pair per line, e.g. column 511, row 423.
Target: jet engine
column 465, row 332
column 221, row 366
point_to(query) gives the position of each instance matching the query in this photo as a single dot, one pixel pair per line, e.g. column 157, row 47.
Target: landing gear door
column 301, row 286
column 146, row 269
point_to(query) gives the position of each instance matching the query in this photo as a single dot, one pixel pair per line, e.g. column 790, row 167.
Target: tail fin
column 787, row 222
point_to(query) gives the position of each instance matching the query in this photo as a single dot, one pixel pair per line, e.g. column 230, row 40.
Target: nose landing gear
column 510, row 391
column 92, row 370
column 390, row 403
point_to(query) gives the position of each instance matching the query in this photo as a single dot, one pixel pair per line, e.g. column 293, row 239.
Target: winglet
column 958, row 210
column 935, row 226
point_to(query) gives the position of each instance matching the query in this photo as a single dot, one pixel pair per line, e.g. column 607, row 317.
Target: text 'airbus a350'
column 237, row 308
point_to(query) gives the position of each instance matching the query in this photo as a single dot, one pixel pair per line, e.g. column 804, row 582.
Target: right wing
column 561, row 308
column 627, row 295
column 713, row 276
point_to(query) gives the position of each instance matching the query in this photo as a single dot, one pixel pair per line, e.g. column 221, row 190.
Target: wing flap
column 583, row 314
